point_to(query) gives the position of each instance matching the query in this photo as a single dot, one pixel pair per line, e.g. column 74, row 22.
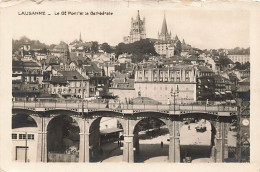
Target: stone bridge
column 88, row 116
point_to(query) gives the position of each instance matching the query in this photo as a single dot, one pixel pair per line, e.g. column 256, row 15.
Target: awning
column 217, row 93
column 222, row 92
column 229, row 92
column 111, row 130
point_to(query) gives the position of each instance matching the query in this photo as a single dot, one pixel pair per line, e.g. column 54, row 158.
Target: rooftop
column 72, row 75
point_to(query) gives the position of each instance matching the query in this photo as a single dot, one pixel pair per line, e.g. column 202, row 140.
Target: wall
column 32, row 144
column 123, row 93
column 162, row 91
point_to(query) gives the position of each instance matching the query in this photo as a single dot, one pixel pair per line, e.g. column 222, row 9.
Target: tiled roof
column 58, row 79
column 30, row 64
column 72, row 75
column 123, row 83
column 204, row 69
column 92, row 67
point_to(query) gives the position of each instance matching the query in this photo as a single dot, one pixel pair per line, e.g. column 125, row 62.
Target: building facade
column 160, row 83
column 240, row 58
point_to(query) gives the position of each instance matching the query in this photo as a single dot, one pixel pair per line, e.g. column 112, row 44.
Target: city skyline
column 219, row 31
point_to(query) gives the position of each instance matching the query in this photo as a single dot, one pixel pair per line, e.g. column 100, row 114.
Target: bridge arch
column 197, row 139
column 105, row 142
column 22, row 120
column 151, row 135
column 63, row 139
column 18, row 111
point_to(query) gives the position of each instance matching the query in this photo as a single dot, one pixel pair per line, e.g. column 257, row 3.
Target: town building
column 61, row 51
column 242, row 74
column 24, row 144
column 243, row 89
column 123, row 88
column 69, row 84
column 137, row 31
column 206, row 88
column 27, row 78
column 160, row 83
column 222, row 88
column 241, row 58
column 204, row 71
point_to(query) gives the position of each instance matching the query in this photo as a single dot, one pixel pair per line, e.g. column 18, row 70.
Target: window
column 14, row 136
column 21, row 136
column 30, row 136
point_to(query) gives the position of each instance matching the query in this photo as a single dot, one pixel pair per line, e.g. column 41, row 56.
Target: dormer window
column 74, row 77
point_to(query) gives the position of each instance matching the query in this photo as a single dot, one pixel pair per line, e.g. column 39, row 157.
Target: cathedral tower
column 137, row 31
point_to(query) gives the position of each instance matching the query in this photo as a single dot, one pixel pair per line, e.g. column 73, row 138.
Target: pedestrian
column 118, row 143
column 161, row 144
column 188, row 127
column 119, row 105
column 107, row 106
column 168, row 102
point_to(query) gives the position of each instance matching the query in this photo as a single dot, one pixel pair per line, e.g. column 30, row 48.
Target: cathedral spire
column 138, row 16
column 80, row 37
column 176, row 38
column 183, row 42
column 164, row 30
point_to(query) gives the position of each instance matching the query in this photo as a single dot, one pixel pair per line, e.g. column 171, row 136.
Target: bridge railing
column 120, row 106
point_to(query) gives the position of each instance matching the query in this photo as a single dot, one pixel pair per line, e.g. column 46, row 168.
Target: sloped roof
column 30, row 64
column 92, row 67
column 245, row 80
column 58, row 79
column 123, row 83
column 204, row 69
column 72, row 75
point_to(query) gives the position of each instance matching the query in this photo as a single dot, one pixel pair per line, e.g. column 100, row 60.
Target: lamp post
column 174, row 94
column 82, row 88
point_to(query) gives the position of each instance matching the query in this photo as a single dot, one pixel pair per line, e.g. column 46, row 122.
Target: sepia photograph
column 170, row 86
column 129, row 85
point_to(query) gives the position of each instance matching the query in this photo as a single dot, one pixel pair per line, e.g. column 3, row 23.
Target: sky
column 204, row 29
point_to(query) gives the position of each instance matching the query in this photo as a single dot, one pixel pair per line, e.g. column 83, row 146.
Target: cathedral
column 165, row 44
column 137, row 31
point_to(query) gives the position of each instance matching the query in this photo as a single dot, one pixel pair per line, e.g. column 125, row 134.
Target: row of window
column 140, row 88
column 69, row 91
column 165, row 79
column 165, row 73
column 22, row 136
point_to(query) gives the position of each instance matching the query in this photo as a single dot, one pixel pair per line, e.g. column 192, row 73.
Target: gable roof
column 72, row 75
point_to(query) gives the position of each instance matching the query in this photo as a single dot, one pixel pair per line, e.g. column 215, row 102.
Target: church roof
column 164, row 30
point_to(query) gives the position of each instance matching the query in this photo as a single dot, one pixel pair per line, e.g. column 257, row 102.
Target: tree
column 237, row 65
column 240, row 66
column 178, row 48
column 106, row 48
column 141, row 50
column 94, row 47
column 224, row 61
